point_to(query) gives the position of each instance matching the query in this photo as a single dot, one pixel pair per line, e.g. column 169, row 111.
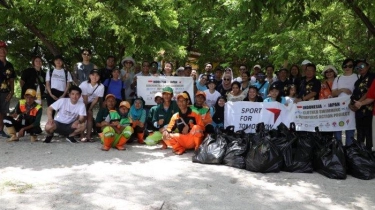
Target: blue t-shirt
column 263, row 89
column 114, row 87
column 269, row 99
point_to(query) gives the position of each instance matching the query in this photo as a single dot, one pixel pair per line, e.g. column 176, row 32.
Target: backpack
column 51, row 72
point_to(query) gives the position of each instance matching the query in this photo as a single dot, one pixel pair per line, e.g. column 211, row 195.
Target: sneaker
column 71, row 139
column 3, row 134
column 48, row 139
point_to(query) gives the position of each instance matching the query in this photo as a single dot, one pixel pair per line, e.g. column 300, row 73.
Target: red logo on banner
column 276, row 113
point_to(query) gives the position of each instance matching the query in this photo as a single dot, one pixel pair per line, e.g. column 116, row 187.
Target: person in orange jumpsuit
column 185, row 129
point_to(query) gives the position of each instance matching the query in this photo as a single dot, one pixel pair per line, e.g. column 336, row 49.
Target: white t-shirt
column 344, row 82
column 238, row 79
column 211, row 97
column 90, row 91
column 58, row 79
column 68, row 112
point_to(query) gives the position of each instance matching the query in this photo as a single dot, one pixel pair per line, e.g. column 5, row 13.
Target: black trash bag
column 329, row 159
column 263, row 155
column 237, row 145
column 298, row 157
column 212, row 149
column 360, row 161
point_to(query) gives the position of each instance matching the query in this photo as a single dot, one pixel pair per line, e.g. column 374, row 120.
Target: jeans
column 349, row 134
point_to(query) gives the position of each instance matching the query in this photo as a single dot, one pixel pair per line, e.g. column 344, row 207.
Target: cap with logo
column 167, row 90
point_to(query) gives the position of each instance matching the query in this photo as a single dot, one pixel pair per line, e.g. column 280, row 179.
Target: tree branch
column 333, row 44
column 5, row 4
column 50, row 46
column 370, row 26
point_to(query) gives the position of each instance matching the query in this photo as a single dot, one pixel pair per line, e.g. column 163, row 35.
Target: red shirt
column 371, row 94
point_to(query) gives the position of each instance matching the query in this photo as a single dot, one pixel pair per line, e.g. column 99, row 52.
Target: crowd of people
column 179, row 124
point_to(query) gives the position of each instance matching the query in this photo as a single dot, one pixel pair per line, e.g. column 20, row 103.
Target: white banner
column 329, row 115
column 147, row 86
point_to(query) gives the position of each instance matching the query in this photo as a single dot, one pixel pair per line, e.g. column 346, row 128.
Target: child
column 292, row 94
column 218, row 112
column 211, row 94
column 119, row 128
column 275, row 95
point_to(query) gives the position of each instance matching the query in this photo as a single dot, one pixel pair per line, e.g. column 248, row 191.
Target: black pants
column 50, row 100
column 364, row 130
column 10, row 121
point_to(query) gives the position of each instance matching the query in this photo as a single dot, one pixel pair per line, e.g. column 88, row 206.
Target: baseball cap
column 125, row 104
column 158, row 94
column 110, row 95
column 95, row 71
column 274, row 86
column 3, row 44
column 31, row 92
column 167, row 90
column 211, row 79
column 257, row 66
column 305, row 62
column 184, row 95
column 200, row 93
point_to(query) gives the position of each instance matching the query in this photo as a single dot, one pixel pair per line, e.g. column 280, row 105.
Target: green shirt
column 161, row 113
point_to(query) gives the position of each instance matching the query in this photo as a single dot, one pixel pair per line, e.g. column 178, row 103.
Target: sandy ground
column 80, row 176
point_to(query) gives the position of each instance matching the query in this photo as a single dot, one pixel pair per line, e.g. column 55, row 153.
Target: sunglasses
column 85, row 54
column 347, row 66
column 226, row 79
column 360, row 67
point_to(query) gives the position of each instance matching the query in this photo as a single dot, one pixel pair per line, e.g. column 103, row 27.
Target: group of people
column 179, row 124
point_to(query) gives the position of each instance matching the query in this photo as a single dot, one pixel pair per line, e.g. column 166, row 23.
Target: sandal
column 84, row 139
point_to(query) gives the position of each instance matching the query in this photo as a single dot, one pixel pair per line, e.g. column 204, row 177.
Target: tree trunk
column 370, row 26
column 50, row 45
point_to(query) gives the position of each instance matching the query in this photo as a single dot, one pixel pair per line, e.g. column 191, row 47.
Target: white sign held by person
column 147, row 86
column 329, row 115
column 245, row 115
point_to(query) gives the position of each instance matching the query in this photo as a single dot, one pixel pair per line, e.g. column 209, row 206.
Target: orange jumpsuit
column 180, row 142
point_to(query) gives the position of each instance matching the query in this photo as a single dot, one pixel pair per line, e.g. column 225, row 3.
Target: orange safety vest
column 33, row 112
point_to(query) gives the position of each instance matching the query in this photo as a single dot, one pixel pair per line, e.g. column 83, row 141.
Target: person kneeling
column 117, row 128
column 70, row 120
column 189, row 126
column 26, row 118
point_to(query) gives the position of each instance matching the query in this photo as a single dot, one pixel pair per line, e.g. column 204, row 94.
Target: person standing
column 363, row 116
column 83, row 69
column 58, row 81
column 343, row 85
column 310, row 86
column 106, row 73
column 70, row 120
column 329, row 73
column 33, row 77
column 127, row 75
column 26, row 118
column 7, row 75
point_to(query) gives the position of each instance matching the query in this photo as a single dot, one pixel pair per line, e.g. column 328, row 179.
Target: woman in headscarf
column 138, row 118
column 218, row 112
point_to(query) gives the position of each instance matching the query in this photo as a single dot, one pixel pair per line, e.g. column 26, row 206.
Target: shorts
column 4, row 105
column 64, row 129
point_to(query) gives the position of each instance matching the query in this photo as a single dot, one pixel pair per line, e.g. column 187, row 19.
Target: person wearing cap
column 71, row 118
column 363, row 116
column 329, row 74
column 304, row 65
column 33, row 77
column 117, row 128
column 256, row 69
column 168, row 69
column 180, row 72
column 283, row 82
column 262, row 85
column 274, row 95
column 185, row 129
column 92, row 91
column 137, row 114
column 127, row 74
column 342, row 86
column 7, row 75
column 158, row 98
column 201, row 108
column 115, row 86
column 58, row 81
column 110, row 104
column 211, row 93
column 106, row 72
column 82, row 69
column 310, row 86
column 163, row 114
column 26, row 118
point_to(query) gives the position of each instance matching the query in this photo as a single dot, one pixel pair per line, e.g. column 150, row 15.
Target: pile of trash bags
column 285, row 149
